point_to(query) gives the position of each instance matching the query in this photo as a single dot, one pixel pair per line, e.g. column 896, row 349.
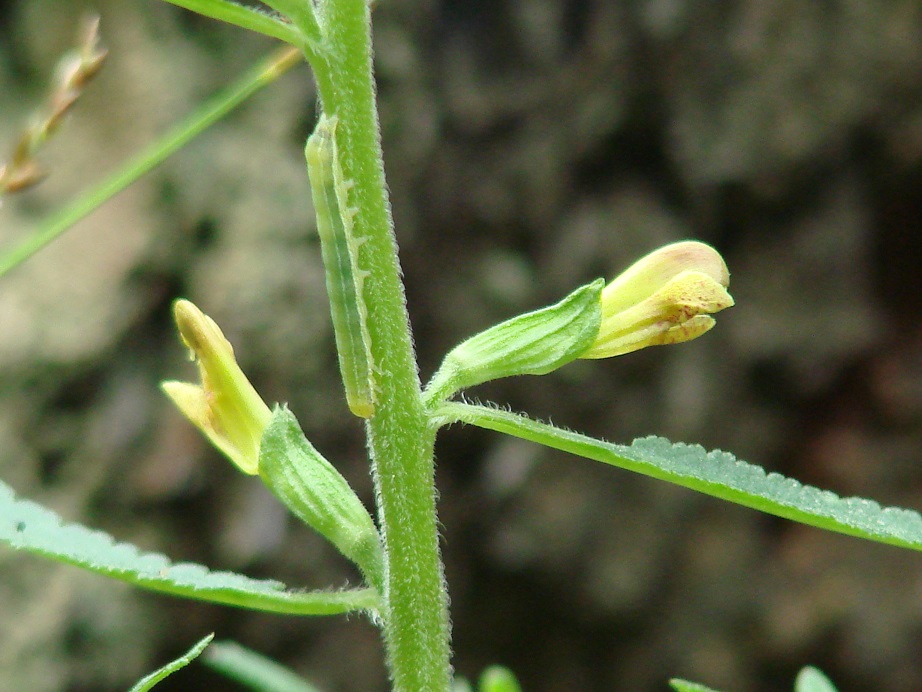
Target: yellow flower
column 225, row 406
column 664, row 298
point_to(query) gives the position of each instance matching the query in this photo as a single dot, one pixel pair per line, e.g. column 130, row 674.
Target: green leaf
column 715, row 473
column 811, row 679
column 685, row 686
column 148, row 681
column 249, row 18
column 301, row 14
column 254, row 670
column 25, row 525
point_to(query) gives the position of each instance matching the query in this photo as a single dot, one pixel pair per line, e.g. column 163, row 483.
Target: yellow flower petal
column 225, row 406
column 664, row 298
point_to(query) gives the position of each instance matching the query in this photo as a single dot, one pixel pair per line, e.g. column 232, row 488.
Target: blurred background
column 531, row 146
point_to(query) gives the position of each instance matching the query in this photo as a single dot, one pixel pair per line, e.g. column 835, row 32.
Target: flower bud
column 225, row 406
column 664, row 298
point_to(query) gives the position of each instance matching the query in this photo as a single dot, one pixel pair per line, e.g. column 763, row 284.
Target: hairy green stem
column 400, row 435
column 266, row 72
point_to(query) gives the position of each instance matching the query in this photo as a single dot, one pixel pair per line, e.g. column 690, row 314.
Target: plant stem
column 400, row 435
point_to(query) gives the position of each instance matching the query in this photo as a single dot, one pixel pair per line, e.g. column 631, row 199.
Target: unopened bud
column 225, row 406
column 664, row 298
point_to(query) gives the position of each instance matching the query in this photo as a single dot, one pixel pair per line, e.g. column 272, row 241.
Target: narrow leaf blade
column 716, row 473
column 254, row 670
column 26, row 525
column 148, row 681
column 680, row 685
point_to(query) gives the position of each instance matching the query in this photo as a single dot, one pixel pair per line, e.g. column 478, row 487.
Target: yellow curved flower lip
column 666, row 297
column 225, row 406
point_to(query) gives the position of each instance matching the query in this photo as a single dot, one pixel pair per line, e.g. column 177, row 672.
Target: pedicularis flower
column 664, row 298
column 225, row 406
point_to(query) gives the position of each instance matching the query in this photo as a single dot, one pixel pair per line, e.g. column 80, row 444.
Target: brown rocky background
column 531, row 146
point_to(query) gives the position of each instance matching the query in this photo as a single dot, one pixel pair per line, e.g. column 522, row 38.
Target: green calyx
column 316, row 493
column 535, row 343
